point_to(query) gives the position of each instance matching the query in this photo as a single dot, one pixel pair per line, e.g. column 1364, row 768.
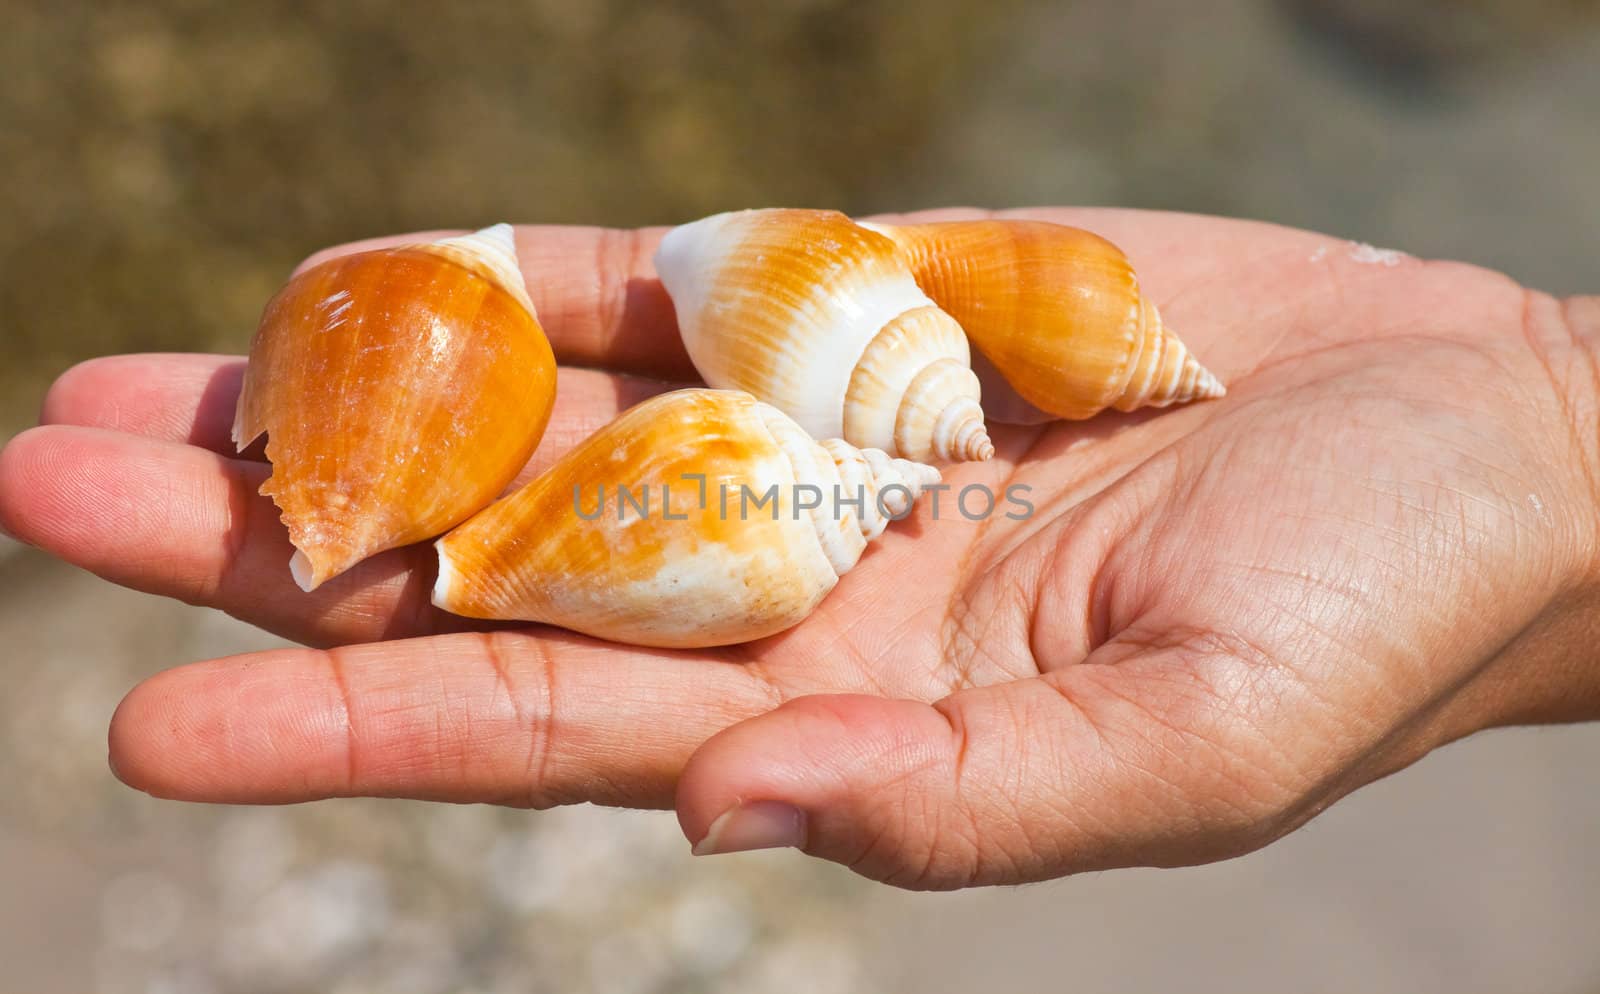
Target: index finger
column 596, row 292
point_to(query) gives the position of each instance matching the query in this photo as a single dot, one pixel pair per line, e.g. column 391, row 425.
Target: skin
column 1220, row 619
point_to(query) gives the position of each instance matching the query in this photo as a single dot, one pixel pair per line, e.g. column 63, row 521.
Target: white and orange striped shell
column 822, row 319
column 733, row 525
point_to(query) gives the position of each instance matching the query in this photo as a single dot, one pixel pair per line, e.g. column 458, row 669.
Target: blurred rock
column 1418, row 40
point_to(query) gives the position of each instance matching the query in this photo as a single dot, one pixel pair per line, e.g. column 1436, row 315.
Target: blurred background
column 165, row 165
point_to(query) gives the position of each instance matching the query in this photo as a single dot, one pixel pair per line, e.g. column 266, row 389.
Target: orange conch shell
column 697, row 518
column 821, row 318
column 1058, row 313
column 401, row 391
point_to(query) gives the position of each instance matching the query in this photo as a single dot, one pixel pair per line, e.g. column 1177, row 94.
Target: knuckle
column 524, row 672
column 621, row 256
column 336, row 660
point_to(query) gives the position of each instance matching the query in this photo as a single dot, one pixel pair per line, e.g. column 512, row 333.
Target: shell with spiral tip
column 697, row 518
column 821, row 318
column 1058, row 313
column 400, row 391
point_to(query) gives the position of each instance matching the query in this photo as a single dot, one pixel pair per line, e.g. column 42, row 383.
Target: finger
column 1216, row 279
column 179, row 397
column 1078, row 769
column 595, row 289
column 192, row 398
column 596, row 293
column 511, row 718
column 178, row 521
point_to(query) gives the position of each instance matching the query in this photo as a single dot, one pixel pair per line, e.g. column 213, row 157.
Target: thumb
column 1006, row 784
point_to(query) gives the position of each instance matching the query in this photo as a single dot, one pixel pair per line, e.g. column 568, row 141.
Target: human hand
column 1219, row 619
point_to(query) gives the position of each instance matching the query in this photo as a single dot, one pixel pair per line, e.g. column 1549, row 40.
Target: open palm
column 1218, row 619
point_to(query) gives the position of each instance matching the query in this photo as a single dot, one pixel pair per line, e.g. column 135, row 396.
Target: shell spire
column 821, row 318
column 1163, row 371
column 862, row 490
column 401, row 390
column 1057, row 312
column 890, row 486
column 491, row 252
column 697, row 518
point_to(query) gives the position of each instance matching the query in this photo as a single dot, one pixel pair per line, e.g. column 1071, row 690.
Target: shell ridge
column 801, row 453
column 900, row 294
column 788, row 304
column 669, row 581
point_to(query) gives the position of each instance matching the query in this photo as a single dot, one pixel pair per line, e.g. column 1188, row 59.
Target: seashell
column 654, row 531
column 1057, row 311
column 400, row 390
column 821, row 318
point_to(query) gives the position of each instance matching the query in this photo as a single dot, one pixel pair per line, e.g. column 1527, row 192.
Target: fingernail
column 755, row 825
